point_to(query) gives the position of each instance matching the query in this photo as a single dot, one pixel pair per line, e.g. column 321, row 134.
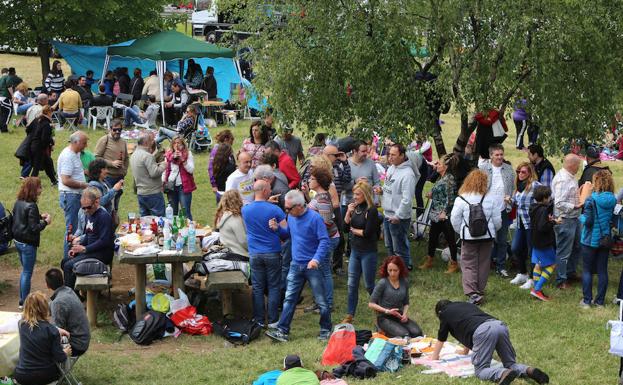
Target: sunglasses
column 288, row 209
column 521, row 171
column 117, row 129
column 87, row 207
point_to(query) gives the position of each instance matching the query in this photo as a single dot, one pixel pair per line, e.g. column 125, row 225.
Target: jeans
column 266, row 274
column 132, row 115
column 26, row 169
column 595, row 259
column 179, row 197
column 70, row 204
column 110, row 182
column 397, row 239
column 325, row 267
column 286, row 258
column 360, row 263
column 500, row 246
column 567, row 247
column 165, row 133
column 522, row 247
column 27, row 257
column 152, row 204
column 21, row 110
column 297, row 277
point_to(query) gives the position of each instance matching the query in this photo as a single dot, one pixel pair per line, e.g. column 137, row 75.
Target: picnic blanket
column 450, row 363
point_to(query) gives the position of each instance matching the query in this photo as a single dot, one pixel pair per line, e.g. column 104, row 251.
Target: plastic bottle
column 169, row 213
column 167, row 237
column 191, row 237
column 179, row 244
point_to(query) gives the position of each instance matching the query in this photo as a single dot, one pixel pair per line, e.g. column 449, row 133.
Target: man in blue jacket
column 310, row 243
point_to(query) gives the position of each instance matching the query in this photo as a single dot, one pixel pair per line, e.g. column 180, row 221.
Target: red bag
column 190, row 322
column 340, row 347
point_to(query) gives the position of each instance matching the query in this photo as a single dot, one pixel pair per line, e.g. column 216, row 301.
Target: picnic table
column 175, row 258
column 9, row 344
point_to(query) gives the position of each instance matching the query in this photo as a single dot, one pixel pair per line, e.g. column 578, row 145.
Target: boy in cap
column 295, row 374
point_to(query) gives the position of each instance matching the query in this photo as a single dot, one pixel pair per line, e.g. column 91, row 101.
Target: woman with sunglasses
column 179, row 172
column 526, row 181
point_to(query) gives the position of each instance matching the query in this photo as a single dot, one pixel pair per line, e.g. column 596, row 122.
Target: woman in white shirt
column 178, row 176
column 228, row 221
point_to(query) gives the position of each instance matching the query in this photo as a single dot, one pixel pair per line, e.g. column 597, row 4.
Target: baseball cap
column 292, row 361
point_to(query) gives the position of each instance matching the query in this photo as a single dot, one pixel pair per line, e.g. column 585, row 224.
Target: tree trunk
column 466, row 131
column 438, row 139
column 43, row 49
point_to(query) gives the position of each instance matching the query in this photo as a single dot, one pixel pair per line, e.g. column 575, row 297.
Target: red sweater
column 287, row 166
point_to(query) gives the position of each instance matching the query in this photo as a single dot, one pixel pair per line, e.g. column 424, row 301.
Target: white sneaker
column 519, row 279
column 527, row 285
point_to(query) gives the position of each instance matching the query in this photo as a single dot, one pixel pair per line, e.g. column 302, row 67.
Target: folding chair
column 100, row 114
column 67, row 377
column 72, row 123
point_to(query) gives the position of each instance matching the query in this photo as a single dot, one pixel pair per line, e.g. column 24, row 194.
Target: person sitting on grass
column 294, row 373
column 543, row 240
column 67, row 312
column 40, row 346
column 390, row 299
column 483, row 334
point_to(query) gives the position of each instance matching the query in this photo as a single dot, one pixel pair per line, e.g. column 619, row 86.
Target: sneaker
column 476, row 299
column 529, row 284
column 599, row 305
column 312, row 308
column 324, row 335
column 503, row 273
column 519, row 279
column 273, row 325
column 539, row 376
column 20, row 307
column 277, row 335
column 584, row 305
column 539, row 295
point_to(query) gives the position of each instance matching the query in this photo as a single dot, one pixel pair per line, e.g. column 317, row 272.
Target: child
column 543, row 240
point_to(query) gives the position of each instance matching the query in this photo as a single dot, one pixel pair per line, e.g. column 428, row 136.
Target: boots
column 428, row 263
column 453, row 267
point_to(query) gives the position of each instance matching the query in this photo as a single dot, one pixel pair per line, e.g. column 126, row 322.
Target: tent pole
column 181, row 68
column 160, row 70
column 105, row 69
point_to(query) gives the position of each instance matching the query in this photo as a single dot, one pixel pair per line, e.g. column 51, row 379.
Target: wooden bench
column 227, row 282
column 92, row 285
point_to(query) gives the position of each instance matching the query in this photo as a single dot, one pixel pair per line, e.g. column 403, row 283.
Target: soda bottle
column 153, row 227
column 191, row 237
column 179, row 244
column 167, row 238
column 182, row 217
column 174, row 228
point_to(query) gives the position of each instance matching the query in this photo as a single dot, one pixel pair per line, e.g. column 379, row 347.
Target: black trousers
column 6, row 111
column 41, row 377
column 442, row 227
column 394, row 328
column 40, row 161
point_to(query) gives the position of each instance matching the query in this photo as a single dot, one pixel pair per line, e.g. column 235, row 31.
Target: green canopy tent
column 165, row 46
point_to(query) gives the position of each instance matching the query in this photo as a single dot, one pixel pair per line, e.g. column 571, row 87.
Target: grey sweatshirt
column 398, row 191
column 147, row 172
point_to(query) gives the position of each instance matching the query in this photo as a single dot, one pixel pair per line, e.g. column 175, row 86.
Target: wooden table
column 177, row 271
column 9, row 346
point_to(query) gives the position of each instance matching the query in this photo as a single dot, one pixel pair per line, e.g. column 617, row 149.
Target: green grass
column 568, row 343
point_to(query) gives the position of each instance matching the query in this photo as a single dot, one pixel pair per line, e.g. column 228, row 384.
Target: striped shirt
column 321, row 203
column 55, row 82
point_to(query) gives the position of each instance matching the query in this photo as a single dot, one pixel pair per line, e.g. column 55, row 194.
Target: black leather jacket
column 27, row 223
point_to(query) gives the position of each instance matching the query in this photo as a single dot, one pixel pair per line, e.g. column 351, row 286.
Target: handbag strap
column 596, row 219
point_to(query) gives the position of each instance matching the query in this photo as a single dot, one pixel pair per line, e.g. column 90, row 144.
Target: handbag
column 169, row 185
column 616, row 333
column 605, row 240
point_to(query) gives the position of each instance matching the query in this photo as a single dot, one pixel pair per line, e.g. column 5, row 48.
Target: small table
column 9, row 345
column 212, row 107
column 177, row 270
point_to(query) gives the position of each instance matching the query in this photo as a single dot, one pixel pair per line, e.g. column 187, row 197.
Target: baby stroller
column 198, row 137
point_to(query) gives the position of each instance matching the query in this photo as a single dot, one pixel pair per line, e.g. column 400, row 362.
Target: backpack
column 238, row 331
column 90, row 267
column 124, row 318
column 478, row 223
column 149, row 328
column 6, row 226
column 340, row 346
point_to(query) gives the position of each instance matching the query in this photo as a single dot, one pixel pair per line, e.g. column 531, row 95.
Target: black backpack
column 90, row 267
column 124, row 318
column 238, row 331
column 478, row 223
column 6, row 228
column 149, row 328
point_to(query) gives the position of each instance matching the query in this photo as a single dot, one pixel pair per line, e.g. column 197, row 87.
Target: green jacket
column 298, row 376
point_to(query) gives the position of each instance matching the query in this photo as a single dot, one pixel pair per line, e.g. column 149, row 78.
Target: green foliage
column 561, row 55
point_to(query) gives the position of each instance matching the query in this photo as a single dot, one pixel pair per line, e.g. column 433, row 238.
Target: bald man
column 568, row 208
column 242, row 178
column 264, row 246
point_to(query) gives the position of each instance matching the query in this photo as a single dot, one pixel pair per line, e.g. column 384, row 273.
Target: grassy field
column 568, row 343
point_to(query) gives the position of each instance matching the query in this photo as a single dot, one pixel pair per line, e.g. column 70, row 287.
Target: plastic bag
column 161, row 302
column 190, row 322
column 340, row 346
column 180, row 303
column 384, row 355
column 616, row 334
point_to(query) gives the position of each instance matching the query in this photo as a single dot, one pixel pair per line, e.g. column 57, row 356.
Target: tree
column 358, row 64
column 35, row 23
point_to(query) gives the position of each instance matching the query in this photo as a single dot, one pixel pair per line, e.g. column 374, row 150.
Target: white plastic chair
column 100, row 113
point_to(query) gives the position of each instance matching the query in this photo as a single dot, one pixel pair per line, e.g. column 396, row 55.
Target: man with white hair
column 567, row 207
column 242, row 178
column 71, row 181
column 147, row 174
column 310, row 245
column 264, row 252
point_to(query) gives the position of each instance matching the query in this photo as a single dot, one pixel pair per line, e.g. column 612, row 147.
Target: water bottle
column 179, row 245
column 169, row 213
column 167, row 237
column 191, row 237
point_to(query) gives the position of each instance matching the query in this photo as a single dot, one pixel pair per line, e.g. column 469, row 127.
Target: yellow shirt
column 70, row 101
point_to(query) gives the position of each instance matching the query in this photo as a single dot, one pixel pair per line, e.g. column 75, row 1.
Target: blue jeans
column 21, row 110
column 360, row 262
column 70, row 204
column 110, row 182
column 132, row 115
column 26, row 169
column 500, row 245
column 297, row 276
column 165, row 133
column 521, row 247
column 27, row 257
column 266, row 274
column 595, row 259
column 325, row 267
column 567, row 247
column 179, row 197
column 151, row 205
column 286, row 258
column 397, row 239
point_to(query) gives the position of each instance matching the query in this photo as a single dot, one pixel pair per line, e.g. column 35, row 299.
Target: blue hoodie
column 597, row 224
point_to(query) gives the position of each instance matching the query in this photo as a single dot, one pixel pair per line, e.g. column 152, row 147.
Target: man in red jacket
column 286, row 164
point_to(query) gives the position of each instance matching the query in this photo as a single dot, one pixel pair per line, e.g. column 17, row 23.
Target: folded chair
column 66, row 368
